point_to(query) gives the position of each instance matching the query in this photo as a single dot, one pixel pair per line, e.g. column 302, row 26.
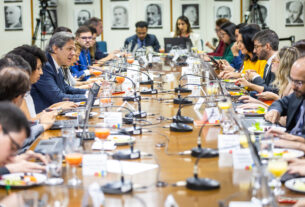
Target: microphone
column 148, row 82
column 203, row 152
column 185, row 90
column 196, row 183
column 129, row 154
column 118, row 187
column 179, row 100
column 179, row 121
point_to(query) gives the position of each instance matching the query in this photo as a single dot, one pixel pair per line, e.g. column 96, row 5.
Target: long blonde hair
column 287, row 56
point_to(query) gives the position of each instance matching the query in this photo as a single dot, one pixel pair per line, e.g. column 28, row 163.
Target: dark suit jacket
column 150, row 40
column 289, row 106
column 51, row 88
column 266, row 81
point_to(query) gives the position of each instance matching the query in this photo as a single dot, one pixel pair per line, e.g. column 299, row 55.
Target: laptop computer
column 93, row 92
column 181, row 42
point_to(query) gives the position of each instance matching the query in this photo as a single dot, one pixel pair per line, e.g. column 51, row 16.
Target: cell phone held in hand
column 214, row 61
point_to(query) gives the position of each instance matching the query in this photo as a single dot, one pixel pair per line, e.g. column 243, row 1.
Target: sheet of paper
column 243, row 204
column 129, row 168
column 242, row 159
column 93, row 163
column 107, row 145
column 213, row 115
column 113, row 119
column 228, row 143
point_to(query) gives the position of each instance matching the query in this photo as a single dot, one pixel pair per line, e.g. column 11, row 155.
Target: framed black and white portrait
column 191, row 11
column 9, row 1
column 223, row 11
column 13, row 17
column 83, row 1
column 48, row 22
column 81, row 16
column 153, row 15
column 294, row 13
column 120, row 15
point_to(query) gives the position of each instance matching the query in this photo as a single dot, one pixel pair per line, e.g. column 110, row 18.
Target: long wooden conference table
column 172, row 167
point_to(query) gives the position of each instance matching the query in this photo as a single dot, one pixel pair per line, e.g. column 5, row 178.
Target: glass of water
column 54, row 168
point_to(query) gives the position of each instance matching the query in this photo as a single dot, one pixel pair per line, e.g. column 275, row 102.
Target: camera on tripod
column 256, row 14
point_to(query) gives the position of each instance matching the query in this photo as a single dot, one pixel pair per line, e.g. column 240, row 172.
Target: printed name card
column 113, row 119
column 242, row 159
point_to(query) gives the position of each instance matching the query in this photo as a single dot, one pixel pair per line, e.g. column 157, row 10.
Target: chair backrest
column 101, row 46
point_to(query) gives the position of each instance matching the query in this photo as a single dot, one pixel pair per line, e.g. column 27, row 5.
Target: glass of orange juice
column 105, row 100
column 74, row 159
column 161, row 50
column 102, row 134
column 97, row 73
column 277, row 166
column 130, row 59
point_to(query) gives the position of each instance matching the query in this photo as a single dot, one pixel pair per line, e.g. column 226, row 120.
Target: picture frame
column 13, row 17
column 294, row 13
column 154, row 14
column 120, row 15
column 191, row 11
column 83, row 1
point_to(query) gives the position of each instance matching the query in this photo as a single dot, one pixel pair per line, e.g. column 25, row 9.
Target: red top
column 219, row 50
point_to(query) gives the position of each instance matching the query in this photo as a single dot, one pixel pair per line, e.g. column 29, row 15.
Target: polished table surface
column 172, row 167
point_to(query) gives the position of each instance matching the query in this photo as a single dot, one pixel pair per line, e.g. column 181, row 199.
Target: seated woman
column 227, row 33
column 219, row 50
column 183, row 29
column 246, row 46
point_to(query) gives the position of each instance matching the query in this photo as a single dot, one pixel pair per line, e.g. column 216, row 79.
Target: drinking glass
column 68, row 134
column 54, row 168
column 81, row 114
column 277, row 166
column 74, row 159
column 130, row 59
column 105, row 100
column 102, row 134
column 29, row 198
column 57, row 196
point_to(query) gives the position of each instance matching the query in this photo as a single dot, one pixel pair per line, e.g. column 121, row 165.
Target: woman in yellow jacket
column 246, row 46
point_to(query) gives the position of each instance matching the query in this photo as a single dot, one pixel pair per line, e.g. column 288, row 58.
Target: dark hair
column 247, row 33
column 13, row 83
column 30, row 54
column 93, row 22
column 300, row 45
column 267, row 36
column 156, row 5
column 93, row 30
column 59, row 39
column 62, row 29
column 255, row 26
column 82, row 29
column 15, row 61
column 229, row 28
column 187, row 22
column 241, row 25
column 221, row 21
column 12, row 119
column 141, row 24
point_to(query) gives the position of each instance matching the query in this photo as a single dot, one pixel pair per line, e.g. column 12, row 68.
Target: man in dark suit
column 51, row 87
column 292, row 106
column 142, row 39
column 266, row 43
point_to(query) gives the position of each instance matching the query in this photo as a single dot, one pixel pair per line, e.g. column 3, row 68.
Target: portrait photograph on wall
column 120, row 15
column 81, row 16
column 83, row 1
column 223, row 11
column 294, row 13
column 191, row 11
column 13, row 17
column 48, row 23
column 153, row 14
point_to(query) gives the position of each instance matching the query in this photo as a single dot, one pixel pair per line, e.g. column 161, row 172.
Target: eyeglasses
column 257, row 46
column 298, row 83
column 86, row 38
column 15, row 144
column 275, row 61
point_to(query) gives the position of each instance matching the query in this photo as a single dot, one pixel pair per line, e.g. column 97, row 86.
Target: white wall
column 115, row 38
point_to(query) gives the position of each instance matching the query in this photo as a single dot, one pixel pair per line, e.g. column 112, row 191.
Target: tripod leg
column 34, row 38
column 52, row 22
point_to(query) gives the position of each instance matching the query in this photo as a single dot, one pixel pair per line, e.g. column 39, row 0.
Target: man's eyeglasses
column 14, row 143
column 257, row 46
column 297, row 83
column 86, row 38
